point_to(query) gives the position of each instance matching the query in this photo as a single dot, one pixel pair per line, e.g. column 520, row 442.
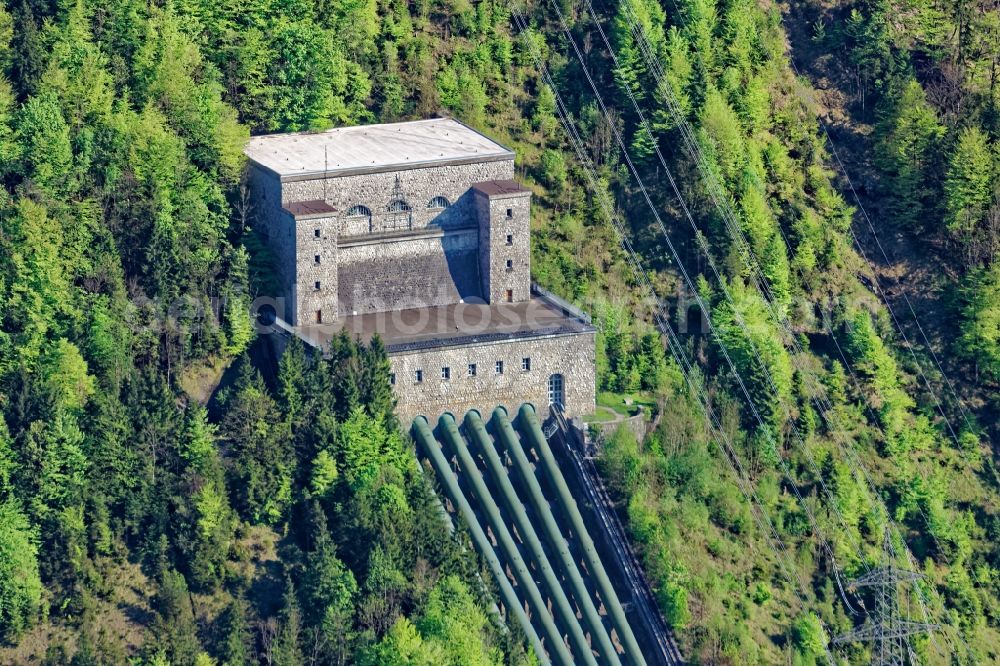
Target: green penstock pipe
column 554, row 641
column 533, row 430
column 510, row 441
column 527, row 531
column 422, row 433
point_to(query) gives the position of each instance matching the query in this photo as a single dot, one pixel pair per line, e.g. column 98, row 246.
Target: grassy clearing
column 601, row 415
column 625, row 404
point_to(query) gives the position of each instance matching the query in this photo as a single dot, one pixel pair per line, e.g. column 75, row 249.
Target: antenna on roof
column 326, row 168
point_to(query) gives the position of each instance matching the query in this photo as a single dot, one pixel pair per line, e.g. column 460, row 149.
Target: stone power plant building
column 418, row 232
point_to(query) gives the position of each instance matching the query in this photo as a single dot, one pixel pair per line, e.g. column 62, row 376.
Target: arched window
column 399, row 206
column 438, row 202
column 359, row 211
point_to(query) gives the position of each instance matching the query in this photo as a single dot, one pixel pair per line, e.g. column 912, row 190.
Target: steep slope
column 123, row 217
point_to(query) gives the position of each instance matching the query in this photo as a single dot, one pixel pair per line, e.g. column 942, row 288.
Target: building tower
column 503, row 208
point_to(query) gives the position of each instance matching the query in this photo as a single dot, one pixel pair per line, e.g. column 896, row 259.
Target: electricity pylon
column 888, row 633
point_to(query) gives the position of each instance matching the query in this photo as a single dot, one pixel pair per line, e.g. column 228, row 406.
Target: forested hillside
column 286, row 521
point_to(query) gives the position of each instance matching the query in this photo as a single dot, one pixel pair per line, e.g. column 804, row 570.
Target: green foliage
column 209, row 534
column 176, row 638
column 631, row 74
column 553, row 169
column 721, row 136
column 20, row 585
column 447, row 632
column 968, row 187
column 41, row 300
column 750, row 338
column 908, row 136
column 324, row 473
column 260, row 448
column 980, row 323
column 45, row 137
column 621, row 463
column 766, row 242
column 365, row 449
column 294, row 512
column 329, row 592
column 235, row 648
column 809, row 637
column 629, row 359
column 67, row 376
column 237, row 326
column 874, row 360
column 761, row 594
column 544, row 117
column 675, row 604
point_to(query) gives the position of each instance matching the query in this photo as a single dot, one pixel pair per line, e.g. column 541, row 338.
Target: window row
column 472, row 370
column 396, row 206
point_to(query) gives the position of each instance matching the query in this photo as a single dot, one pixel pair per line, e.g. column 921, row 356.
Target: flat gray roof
column 372, row 148
column 452, row 325
column 496, row 189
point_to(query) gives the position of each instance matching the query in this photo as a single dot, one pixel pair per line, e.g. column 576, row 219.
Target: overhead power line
column 888, row 632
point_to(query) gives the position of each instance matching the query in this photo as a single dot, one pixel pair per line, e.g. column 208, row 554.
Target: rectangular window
column 472, row 369
column 316, row 233
column 510, row 295
column 419, row 376
column 445, row 372
column 319, row 316
column 499, row 367
column 510, row 264
column 316, row 285
column 510, row 239
column 526, row 363
column 392, row 378
column 510, row 213
column 316, row 258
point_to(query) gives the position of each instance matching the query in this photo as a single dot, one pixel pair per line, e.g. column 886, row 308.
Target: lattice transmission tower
column 887, row 631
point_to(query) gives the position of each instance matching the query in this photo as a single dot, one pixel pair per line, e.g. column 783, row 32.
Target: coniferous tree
column 376, row 391
column 329, row 591
column 208, row 532
column 287, row 650
column 980, row 327
column 20, row 585
column 27, row 52
column 968, row 189
column 263, row 460
column 174, row 627
column 344, row 368
column 291, row 382
column 909, row 133
column 235, row 647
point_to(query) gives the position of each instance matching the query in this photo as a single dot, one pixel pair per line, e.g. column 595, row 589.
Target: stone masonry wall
column 265, row 198
column 276, row 229
column 375, row 191
column 316, row 263
column 401, row 274
column 409, row 272
column 572, row 356
column 500, row 218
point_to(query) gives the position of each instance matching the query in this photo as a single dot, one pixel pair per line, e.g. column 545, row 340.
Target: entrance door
column 556, row 395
